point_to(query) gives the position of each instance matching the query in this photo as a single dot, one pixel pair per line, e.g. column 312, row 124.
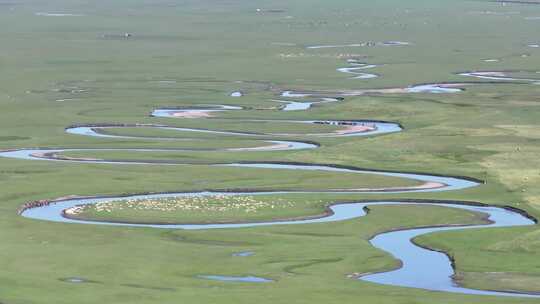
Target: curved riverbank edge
column 500, row 76
column 382, row 90
column 348, row 210
column 402, row 244
column 95, row 127
column 461, row 85
column 482, row 217
column 203, row 107
column 327, row 211
column 49, row 152
column 429, row 180
column 147, row 125
column 129, row 125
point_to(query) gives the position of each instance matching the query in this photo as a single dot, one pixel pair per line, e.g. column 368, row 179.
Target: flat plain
column 65, row 63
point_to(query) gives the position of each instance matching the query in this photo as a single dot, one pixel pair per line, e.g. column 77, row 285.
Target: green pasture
column 57, row 71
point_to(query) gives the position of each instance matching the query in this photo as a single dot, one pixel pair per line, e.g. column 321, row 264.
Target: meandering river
column 421, row 268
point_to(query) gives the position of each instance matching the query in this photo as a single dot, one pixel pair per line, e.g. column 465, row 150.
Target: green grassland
column 211, row 209
column 60, row 71
column 228, row 125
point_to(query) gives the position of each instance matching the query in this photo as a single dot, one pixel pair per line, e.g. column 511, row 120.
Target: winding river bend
column 421, row 268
